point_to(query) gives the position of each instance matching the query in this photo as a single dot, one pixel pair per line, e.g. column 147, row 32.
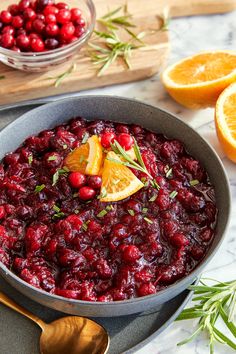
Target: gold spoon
column 68, row 335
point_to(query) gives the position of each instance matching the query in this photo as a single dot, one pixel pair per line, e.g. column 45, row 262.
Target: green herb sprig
column 127, row 160
column 213, row 302
column 108, row 46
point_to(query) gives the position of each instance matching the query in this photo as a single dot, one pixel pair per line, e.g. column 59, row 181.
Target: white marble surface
column 188, row 36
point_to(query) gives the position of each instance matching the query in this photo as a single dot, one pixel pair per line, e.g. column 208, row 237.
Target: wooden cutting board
column 20, row 86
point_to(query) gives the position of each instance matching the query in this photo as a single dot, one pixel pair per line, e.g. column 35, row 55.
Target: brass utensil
column 67, row 335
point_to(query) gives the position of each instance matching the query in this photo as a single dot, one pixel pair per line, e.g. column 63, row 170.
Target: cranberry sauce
column 88, row 250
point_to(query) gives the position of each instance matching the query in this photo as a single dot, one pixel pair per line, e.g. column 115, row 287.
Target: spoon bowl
column 73, row 335
column 67, row 335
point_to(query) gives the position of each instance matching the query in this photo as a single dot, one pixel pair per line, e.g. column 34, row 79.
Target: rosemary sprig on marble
column 126, row 160
column 213, row 302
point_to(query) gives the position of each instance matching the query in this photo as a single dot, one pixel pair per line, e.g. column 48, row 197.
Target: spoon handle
column 14, row 306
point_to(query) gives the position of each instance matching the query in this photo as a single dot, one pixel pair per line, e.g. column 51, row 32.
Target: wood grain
column 146, row 61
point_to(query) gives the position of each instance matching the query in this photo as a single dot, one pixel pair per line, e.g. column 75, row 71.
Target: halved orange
column 197, row 81
column 87, row 158
column 225, row 121
column 118, row 181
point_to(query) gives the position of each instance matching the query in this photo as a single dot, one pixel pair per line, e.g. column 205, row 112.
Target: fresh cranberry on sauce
column 126, row 141
column 86, row 193
column 76, row 179
column 107, row 138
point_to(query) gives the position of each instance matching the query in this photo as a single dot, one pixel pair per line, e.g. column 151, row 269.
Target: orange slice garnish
column 118, row 181
column 87, row 158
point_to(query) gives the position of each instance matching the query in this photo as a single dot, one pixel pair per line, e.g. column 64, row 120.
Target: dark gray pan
column 129, row 111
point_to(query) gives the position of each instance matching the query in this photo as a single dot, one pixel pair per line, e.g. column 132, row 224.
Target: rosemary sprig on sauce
column 212, row 303
column 127, row 160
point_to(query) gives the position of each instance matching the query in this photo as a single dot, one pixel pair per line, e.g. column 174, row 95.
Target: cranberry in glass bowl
column 38, row 35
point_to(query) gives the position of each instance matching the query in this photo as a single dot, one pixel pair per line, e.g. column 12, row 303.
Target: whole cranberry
column 75, row 14
column 131, row 253
column 6, row 17
column 94, row 182
column 9, row 30
column 62, row 5
column 63, row 16
column 29, row 14
column 52, row 159
column 50, row 18
column 120, row 231
column 16, row 49
column 34, row 36
column 77, row 179
column 179, row 240
column 107, row 138
column 52, row 29
column 2, row 212
column 20, row 31
column 51, row 43
column 23, row 42
column 50, row 10
column 41, row 4
column 125, row 140
column 28, row 27
column 75, row 221
column 80, row 22
column 7, row 40
column 133, row 205
column 13, row 9
column 146, row 289
column 67, row 31
column 79, row 31
column 37, row 45
column 86, row 193
column 17, row 22
column 23, row 5
column 38, row 25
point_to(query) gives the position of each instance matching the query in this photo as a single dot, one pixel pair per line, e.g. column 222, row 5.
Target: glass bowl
column 43, row 61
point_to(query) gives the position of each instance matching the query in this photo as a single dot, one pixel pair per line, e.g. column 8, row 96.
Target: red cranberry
column 50, row 10
column 79, row 31
column 146, row 289
column 133, row 205
column 125, row 140
column 52, row 30
column 20, row 31
column 75, row 220
column 23, row 41
column 9, row 30
column 6, row 17
column 76, row 179
column 2, row 212
column 29, row 26
column 51, row 43
column 67, row 31
column 75, row 14
column 80, row 22
column 107, row 139
column 179, row 240
column 86, row 193
column 34, row 36
column 131, row 253
column 41, row 4
column 63, row 16
column 37, row 45
column 7, row 40
column 70, row 294
column 94, row 182
column 23, row 5
column 17, row 22
column 13, row 9
column 62, row 5
column 52, row 159
column 120, row 231
column 50, row 19
column 38, row 25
